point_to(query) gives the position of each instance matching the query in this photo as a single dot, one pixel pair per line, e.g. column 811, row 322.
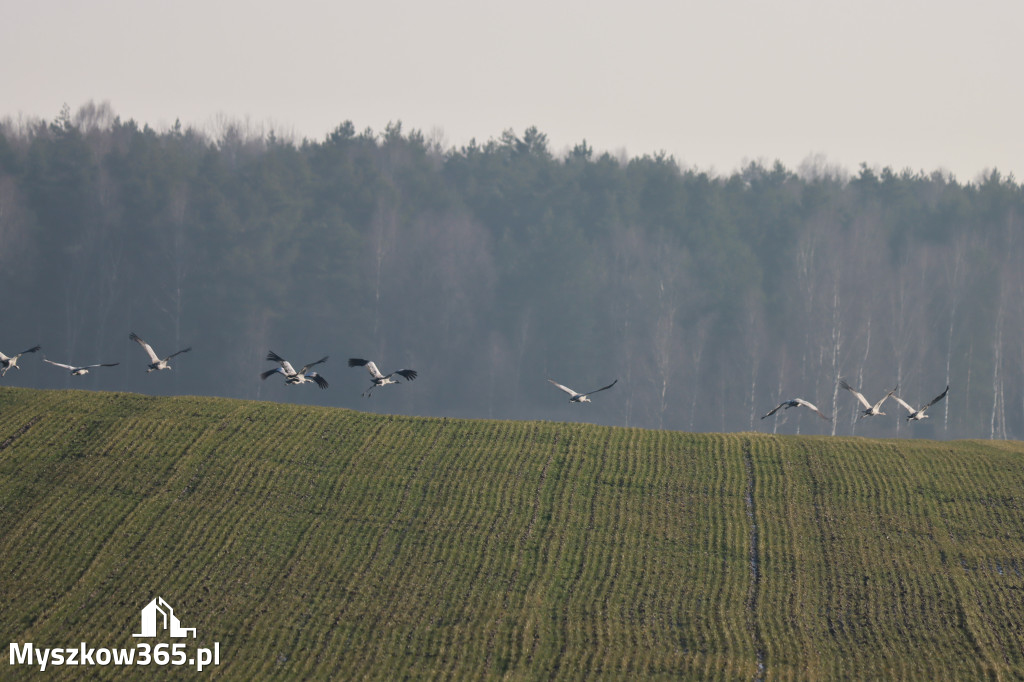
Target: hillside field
column 322, row 543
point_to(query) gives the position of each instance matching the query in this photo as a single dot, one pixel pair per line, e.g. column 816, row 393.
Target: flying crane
column 7, row 363
column 917, row 415
column 79, row 370
column 797, row 402
column 156, row 362
column 869, row 409
column 575, row 397
column 377, row 378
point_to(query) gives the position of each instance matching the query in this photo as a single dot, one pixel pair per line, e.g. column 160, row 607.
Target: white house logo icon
column 170, row 622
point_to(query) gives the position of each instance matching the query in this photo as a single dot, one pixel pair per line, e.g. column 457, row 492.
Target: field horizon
column 326, row 543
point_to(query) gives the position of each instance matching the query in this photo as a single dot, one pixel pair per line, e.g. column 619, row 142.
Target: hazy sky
column 921, row 85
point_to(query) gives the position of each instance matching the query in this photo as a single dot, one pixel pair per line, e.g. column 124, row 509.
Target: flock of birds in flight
column 378, row 379
column 915, row 414
column 285, row 368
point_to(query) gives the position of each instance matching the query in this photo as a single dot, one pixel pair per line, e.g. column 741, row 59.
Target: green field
column 317, row 543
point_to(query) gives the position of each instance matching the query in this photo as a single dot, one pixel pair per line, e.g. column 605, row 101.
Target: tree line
column 492, row 267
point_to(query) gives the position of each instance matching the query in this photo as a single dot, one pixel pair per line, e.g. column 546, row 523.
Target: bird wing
column 564, row 388
column 33, row 349
column 145, row 346
column 902, row 402
column 183, row 350
column 276, row 370
column 775, row 409
column 879, row 403
column 286, row 367
column 303, row 370
column 320, row 381
column 408, row 374
column 603, row 388
column 814, row 407
column 3, row 357
column 370, row 366
column 61, row 364
column 860, row 397
column 936, row 399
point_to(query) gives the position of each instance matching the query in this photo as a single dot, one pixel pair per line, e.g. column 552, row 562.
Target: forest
column 495, row 266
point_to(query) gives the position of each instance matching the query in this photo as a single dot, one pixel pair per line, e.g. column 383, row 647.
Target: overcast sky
column 928, row 86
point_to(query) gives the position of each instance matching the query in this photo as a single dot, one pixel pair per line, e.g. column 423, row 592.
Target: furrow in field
column 28, row 424
column 779, row 511
column 754, row 594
